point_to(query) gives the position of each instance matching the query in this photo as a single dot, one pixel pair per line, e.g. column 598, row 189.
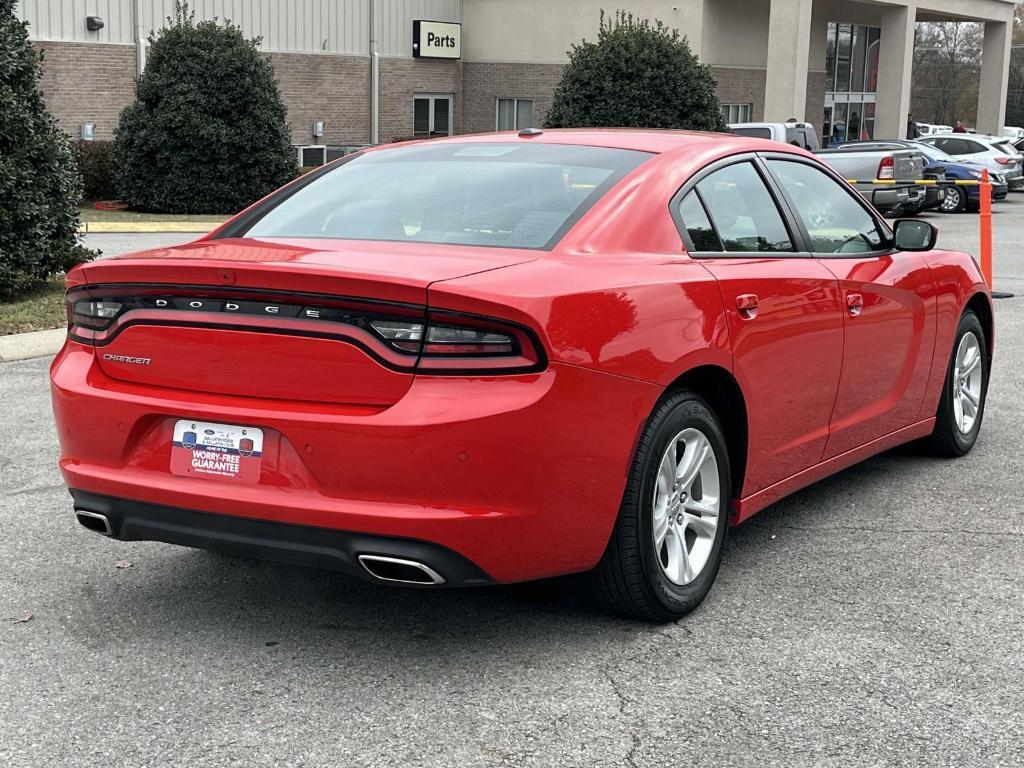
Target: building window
column 737, row 113
column 851, row 79
column 851, row 82
column 515, row 114
column 432, row 115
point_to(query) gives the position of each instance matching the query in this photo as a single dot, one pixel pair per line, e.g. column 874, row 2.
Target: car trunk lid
column 295, row 319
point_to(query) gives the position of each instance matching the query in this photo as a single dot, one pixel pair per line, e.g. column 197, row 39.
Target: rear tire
column 663, row 555
column 956, row 427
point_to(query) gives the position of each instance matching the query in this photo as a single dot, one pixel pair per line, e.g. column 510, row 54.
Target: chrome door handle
column 747, row 304
column 854, row 304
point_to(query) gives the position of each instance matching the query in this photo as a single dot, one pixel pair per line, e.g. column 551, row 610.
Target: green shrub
column 39, row 183
column 98, row 167
column 637, row 75
column 207, row 132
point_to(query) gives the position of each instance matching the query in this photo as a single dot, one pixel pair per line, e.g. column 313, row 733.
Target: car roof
column 638, row 139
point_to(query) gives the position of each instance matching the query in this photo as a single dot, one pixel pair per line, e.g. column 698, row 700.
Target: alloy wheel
column 967, row 383
column 951, row 202
column 686, row 506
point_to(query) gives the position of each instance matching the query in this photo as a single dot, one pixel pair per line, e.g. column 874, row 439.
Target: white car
column 1013, row 134
column 997, row 153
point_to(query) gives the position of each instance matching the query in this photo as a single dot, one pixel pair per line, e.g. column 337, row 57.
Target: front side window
column 515, row 114
column 836, row 222
column 743, row 211
column 510, row 195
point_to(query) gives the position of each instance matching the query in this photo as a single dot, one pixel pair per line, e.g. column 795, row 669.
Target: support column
column 895, row 67
column 789, row 46
column 995, row 77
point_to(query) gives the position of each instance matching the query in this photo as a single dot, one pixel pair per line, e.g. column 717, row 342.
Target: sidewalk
column 22, row 346
column 184, row 227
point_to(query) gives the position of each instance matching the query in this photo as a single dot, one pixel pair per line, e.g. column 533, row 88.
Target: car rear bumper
column 283, row 542
column 521, row 475
column 891, row 199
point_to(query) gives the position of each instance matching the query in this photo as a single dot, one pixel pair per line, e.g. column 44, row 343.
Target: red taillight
column 887, row 169
column 1005, row 160
column 456, row 343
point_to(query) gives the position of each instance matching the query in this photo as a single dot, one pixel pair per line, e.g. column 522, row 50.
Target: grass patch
column 91, row 214
column 39, row 310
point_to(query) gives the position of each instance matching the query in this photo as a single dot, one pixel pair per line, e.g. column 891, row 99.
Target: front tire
column 667, row 543
column 962, row 406
column 955, row 201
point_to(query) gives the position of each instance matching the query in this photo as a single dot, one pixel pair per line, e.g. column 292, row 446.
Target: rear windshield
column 511, row 195
column 754, row 133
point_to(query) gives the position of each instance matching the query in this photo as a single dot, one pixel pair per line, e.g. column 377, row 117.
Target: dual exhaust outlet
column 395, row 570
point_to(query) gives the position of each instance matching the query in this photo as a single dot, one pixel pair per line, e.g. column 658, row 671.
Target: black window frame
column 753, row 158
column 798, row 233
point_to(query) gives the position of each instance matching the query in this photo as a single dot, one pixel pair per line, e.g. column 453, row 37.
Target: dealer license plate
column 216, row 451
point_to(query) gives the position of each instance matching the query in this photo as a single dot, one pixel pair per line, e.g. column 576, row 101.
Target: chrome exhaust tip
column 399, row 571
column 94, row 521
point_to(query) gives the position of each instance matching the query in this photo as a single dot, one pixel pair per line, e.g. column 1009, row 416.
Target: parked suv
column 996, row 153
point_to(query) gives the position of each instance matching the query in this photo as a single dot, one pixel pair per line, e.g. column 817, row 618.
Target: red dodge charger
column 499, row 358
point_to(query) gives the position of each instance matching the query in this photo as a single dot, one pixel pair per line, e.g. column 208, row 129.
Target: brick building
column 352, row 66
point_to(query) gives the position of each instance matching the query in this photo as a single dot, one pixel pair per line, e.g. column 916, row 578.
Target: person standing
column 913, row 132
column 959, row 127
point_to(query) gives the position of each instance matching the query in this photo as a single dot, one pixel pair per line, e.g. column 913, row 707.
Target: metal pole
column 374, row 77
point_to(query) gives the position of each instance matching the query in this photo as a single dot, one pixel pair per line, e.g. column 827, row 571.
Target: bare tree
column 947, row 69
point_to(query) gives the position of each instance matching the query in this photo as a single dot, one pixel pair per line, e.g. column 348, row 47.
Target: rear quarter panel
column 639, row 316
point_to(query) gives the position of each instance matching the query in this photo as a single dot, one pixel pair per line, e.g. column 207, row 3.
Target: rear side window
column 743, row 211
column 754, row 133
column 972, row 147
column 508, row 195
column 1004, row 147
column 698, row 225
column 836, row 222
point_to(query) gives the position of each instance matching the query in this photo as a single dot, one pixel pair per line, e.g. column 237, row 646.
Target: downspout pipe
column 374, row 77
column 140, row 41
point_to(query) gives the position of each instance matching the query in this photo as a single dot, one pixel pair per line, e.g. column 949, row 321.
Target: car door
column 784, row 315
column 888, row 301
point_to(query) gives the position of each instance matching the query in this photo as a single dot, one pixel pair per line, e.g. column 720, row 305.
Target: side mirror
column 914, row 235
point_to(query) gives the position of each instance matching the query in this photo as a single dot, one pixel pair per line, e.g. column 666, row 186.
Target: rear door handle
column 854, row 303
column 747, row 304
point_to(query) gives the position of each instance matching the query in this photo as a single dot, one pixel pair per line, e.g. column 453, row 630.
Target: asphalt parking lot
column 874, row 619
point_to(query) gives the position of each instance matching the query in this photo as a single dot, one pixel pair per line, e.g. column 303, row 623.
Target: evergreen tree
column 207, row 132
column 39, row 182
column 637, row 75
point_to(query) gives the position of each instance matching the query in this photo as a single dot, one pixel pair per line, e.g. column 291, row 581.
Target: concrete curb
column 24, row 346
column 171, row 227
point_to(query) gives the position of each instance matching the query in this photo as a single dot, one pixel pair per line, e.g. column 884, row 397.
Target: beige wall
column 542, row 30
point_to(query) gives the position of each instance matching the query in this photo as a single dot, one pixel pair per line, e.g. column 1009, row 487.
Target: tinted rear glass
column 754, row 133
column 511, row 195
